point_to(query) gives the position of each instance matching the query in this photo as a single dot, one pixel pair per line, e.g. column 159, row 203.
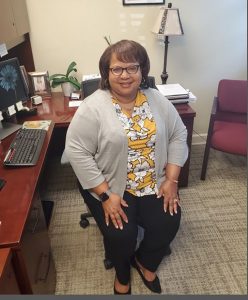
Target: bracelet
column 172, row 180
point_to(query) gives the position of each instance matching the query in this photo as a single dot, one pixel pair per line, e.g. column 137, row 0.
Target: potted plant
column 68, row 82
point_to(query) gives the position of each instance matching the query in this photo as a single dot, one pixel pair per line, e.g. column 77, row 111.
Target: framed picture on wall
column 40, row 84
column 142, row 2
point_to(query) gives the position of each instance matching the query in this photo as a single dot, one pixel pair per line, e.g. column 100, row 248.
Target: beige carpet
column 209, row 254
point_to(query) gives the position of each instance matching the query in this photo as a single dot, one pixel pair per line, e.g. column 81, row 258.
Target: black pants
column 160, row 229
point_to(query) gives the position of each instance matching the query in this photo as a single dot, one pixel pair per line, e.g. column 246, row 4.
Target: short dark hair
column 125, row 51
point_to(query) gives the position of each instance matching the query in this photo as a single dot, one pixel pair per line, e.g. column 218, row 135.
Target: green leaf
column 75, row 82
column 71, row 68
column 57, row 79
column 55, row 75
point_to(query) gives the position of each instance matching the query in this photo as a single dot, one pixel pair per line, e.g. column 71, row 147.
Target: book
column 173, row 91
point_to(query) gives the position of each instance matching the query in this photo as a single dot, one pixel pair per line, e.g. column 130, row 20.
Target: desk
column 187, row 115
column 20, row 206
column 23, row 226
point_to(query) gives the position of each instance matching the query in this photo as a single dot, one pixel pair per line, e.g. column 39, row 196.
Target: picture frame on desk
column 25, row 79
column 40, row 84
column 143, row 2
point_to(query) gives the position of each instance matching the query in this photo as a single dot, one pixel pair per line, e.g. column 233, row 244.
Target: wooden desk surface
column 56, row 109
column 18, row 192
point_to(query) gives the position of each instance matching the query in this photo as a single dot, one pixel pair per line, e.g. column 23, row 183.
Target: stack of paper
column 173, row 91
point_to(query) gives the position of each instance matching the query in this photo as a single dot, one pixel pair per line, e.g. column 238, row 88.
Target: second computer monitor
column 12, row 90
column 12, row 86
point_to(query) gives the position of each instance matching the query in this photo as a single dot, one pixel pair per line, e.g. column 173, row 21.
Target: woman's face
column 125, row 85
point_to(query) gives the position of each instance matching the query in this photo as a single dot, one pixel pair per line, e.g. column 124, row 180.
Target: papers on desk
column 90, row 76
column 192, row 97
column 75, row 103
column 75, row 96
column 173, row 91
column 39, row 124
column 176, row 93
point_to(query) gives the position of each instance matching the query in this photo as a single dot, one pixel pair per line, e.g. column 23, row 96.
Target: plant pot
column 67, row 88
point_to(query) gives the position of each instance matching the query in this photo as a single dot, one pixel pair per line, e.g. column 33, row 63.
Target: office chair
column 151, row 80
column 91, row 85
column 227, row 130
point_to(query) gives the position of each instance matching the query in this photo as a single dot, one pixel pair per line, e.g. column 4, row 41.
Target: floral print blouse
column 140, row 128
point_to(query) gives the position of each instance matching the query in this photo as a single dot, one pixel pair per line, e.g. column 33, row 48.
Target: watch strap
column 105, row 195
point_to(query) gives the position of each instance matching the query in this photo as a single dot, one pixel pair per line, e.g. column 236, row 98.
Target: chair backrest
column 232, row 95
column 91, row 85
column 151, row 80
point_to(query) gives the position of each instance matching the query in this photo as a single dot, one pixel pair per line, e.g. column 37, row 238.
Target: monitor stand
column 7, row 129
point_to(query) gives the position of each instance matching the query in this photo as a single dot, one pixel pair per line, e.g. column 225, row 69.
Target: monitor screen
column 12, row 85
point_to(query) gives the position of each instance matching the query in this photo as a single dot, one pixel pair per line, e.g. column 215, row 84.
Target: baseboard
column 199, row 139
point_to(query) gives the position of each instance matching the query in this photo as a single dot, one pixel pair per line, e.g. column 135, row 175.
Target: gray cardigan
column 97, row 145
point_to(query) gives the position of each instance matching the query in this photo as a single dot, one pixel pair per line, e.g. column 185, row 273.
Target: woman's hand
column 168, row 190
column 113, row 210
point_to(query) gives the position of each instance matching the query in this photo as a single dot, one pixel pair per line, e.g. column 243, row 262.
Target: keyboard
column 25, row 148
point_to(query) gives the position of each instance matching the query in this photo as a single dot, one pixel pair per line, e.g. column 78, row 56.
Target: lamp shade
column 168, row 22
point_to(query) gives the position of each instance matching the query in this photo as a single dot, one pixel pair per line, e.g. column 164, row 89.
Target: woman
column 126, row 145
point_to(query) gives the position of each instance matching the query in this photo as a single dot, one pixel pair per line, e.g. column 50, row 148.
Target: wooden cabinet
column 13, row 19
column 8, row 281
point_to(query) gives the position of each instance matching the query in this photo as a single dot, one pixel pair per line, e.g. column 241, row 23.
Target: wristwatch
column 105, row 195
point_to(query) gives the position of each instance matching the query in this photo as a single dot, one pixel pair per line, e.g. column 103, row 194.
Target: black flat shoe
column 154, row 285
column 127, row 293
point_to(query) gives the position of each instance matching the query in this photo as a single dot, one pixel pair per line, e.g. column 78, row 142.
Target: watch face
column 104, row 197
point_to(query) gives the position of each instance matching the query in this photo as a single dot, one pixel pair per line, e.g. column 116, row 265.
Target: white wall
column 213, row 46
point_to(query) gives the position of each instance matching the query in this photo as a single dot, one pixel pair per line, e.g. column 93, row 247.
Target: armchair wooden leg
column 207, row 147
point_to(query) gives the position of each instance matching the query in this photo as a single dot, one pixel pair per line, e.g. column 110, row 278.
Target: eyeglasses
column 117, row 71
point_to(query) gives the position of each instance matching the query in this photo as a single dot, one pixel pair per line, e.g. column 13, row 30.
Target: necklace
column 127, row 107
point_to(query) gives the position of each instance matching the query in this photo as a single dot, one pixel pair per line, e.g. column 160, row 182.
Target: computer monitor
column 12, row 90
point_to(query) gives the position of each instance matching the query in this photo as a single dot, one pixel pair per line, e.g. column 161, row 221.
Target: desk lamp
column 167, row 23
